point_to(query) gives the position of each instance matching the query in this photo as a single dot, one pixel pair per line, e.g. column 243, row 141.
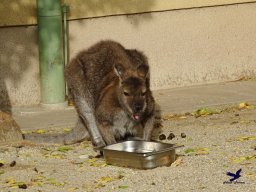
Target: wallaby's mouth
column 136, row 117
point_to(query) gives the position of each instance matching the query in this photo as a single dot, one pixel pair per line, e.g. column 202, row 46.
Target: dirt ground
column 214, row 145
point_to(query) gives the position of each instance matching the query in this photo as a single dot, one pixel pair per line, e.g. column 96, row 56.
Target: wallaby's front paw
column 99, row 145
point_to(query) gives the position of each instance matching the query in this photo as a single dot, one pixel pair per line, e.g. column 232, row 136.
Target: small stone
column 236, row 114
column 162, row 137
column 23, row 186
column 183, row 135
column 234, row 122
column 171, row 136
column 85, row 157
column 13, row 163
column 35, row 169
column 153, row 183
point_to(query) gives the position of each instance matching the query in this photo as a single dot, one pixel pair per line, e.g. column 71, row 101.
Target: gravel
column 213, row 146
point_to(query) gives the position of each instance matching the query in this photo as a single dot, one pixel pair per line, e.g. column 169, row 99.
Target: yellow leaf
column 40, row 131
column 93, row 160
column 106, row 179
column 205, row 112
column 177, row 162
column 243, row 105
column 168, row 117
column 246, row 138
column 10, row 181
column 102, row 181
column 53, row 181
column 243, row 158
column 202, row 151
column 67, row 129
column 98, row 164
column 251, row 175
column 100, row 185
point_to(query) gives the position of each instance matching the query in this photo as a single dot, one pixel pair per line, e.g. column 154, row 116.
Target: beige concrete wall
column 23, row 12
column 184, row 47
column 19, row 67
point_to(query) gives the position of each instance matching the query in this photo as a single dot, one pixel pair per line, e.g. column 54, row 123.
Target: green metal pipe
column 65, row 9
column 49, row 19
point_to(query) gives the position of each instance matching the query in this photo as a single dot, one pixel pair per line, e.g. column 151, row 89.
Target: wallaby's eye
column 126, row 93
column 143, row 93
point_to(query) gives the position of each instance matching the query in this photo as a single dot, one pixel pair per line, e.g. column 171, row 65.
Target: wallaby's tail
column 62, row 138
column 78, row 133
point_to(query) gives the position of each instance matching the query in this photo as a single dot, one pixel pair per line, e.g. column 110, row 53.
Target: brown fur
column 110, row 86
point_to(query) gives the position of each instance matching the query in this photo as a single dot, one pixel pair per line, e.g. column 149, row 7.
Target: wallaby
column 110, row 87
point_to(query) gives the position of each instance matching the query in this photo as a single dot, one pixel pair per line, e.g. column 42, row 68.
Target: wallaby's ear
column 143, row 70
column 119, row 70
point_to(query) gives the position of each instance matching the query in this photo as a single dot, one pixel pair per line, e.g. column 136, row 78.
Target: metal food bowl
column 140, row 154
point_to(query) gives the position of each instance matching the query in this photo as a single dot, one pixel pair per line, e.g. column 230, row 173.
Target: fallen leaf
column 251, row 175
column 243, row 158
column 101, row 182
column 40, row 131
column 246, row 138
column 168, row 117
column 95, row 162
column 122, row 187
column 64, row 149
column 99, row 185
column 99, row 164
column 106, row 179
column 177, row 162
column 197, row 151
column 85, row 144
column 55, row 155
column 92, row 160
column 242, row 138
column 67, row 129
column 73, row 189
column 38, row 180
column 205, row 111
column 243, row 105
column 11, row 182
column 52, row 181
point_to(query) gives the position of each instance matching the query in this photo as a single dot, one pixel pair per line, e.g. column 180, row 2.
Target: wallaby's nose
column 137, row 107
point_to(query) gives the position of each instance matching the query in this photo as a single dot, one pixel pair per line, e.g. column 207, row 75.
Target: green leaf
column 205, row 112
column 243, row 158
column 122, row 187
column 40, row 131
column 64, row 149
column 190, row 150
column 197, row 151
